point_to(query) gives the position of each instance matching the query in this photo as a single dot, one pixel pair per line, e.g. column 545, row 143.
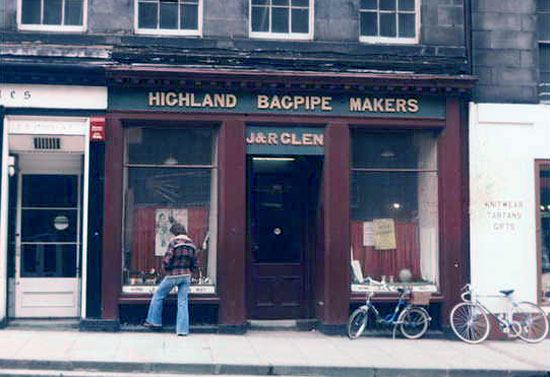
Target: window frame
column 540, row 165
column 283, row 36
column 55, row 28
column 543, row 88
column 176, row 32
column 389, row 40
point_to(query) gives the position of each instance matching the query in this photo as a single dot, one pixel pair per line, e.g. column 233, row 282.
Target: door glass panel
column 48, row 261
column 48, row 225
column 50, row 191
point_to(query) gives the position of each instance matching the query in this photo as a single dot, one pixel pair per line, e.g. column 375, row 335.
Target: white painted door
column 48, row 241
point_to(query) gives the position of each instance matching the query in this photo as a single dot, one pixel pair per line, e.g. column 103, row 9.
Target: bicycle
column 412, row 320
column 470, row 323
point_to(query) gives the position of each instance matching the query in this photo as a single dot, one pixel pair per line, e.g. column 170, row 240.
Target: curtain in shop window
column 388, row 262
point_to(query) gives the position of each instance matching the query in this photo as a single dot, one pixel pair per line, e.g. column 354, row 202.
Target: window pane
column 52, row 12
column 400, row 209
column 387, row 25
column 30, row 12
column 300, row 3
column 543, row 6
column 300, row 21
column 280, row 20
column 407, row 25
column 147, row 15
column 189, row 17
column 260, row 2
column 544, row 68
column 48, row 261
column 544, row 182
column 165, row 146
column 280, row 2
column 50, row 191
column 73, row 12
column 168, row 15
column 399, row 150
column 369, row 24
column 387, row 4
column 52, row 225
column 260, row 19
column 406, row 5
column 543, row 26
column 369, row 4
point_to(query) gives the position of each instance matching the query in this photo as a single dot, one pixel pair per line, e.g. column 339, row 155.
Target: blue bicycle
column 411, row 319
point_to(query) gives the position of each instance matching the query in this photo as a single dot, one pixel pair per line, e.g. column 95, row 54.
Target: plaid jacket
column 180, row 256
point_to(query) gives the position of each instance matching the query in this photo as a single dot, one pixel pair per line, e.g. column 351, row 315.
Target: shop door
column 282, row 197
column 47, row 237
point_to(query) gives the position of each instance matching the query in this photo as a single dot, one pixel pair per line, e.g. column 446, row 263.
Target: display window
column 394, row 210
column 544, row 226
column 170, row 178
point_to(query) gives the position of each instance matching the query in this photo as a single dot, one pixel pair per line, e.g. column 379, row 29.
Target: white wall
column 505, row 140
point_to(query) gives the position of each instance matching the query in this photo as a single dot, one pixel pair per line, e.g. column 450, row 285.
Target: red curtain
column 388, row 262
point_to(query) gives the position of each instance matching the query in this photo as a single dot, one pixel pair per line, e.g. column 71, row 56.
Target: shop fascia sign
column 278, row 103
column 285, row 140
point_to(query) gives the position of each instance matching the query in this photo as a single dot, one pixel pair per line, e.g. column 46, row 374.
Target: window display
column 394, row 209
column 171, row 178
column 544, row 218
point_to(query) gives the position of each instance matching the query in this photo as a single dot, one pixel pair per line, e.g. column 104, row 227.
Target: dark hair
column 177, row 229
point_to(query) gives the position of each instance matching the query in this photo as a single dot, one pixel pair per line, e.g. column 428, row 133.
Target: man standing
column 177, row 263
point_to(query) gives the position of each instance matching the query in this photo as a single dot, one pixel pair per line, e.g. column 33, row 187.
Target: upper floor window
column 543, row 36
column 285, row 19
column 389, row 21
column 52, row 15
column 181, row 17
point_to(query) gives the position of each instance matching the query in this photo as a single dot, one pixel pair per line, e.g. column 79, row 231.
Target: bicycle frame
column 390, row 319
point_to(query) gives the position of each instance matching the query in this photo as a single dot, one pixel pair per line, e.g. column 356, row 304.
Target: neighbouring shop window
column 394, row 208
column 183, row 17
column 544, row 221
column 171, row 177
column 63, row 15
column 290, row 19
column 389, row 21
column 543, row 36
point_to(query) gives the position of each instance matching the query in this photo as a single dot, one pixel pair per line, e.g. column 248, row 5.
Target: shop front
column 45, row 199
column 293, row 188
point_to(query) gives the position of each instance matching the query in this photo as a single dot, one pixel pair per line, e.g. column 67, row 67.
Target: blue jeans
column 154, row 316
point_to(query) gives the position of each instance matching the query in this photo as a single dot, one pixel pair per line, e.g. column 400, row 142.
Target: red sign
column 97, row 129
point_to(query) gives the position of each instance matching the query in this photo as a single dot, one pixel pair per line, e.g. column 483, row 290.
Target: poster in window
column 368, row 233
column 164, row 219
column 384, row 234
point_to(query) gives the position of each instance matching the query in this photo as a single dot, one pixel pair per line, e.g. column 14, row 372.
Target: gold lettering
column 272, row 138
column 355, row 104
column 413, row 105
column 367, row 106
column 219, row 100
column 325, row 104
column 171, row 99
column 285, row 138
column 275, row 103
column 298, row 101
column 378, row 104
column 318, row 139
column 183, row 99
column 286, row 102
column 315, row 100
column 262, row 101
column 193, row 103
column 162, row 96
column 230, row 101
column 401, row 105
column 250, row 139
column 207, row 101
column 390, row 102
column 154, row 98
column 295, row 141
column 307, row 139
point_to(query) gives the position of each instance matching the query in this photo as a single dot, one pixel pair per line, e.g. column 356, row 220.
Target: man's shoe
column 151, row 326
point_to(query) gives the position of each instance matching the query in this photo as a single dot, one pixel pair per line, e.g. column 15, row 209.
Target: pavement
column 30, row 352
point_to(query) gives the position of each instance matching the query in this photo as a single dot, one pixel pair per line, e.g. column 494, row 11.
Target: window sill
column 52, row 28
column 150, row 289
column 388, row 41
column 282, row 37
column 169, row 32
column 393, row 287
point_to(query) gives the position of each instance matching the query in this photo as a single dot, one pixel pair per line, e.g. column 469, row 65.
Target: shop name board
column 277, row 103
column 282, row 102
column 281, row 140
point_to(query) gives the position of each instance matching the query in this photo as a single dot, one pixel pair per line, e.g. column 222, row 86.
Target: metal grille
column 47, row 143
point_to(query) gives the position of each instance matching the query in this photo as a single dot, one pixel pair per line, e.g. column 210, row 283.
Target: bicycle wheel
column 470, row 323
column 357, row 322
column 414, row 322
column 533, row 322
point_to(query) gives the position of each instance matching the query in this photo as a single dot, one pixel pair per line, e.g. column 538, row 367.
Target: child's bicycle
column 469, row 319
column 411, row 319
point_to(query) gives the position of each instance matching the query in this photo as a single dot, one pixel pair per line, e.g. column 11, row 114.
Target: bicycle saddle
column 507, row 292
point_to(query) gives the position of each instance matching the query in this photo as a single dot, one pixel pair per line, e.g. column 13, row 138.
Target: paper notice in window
column 368, row 233
column 384, row 234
